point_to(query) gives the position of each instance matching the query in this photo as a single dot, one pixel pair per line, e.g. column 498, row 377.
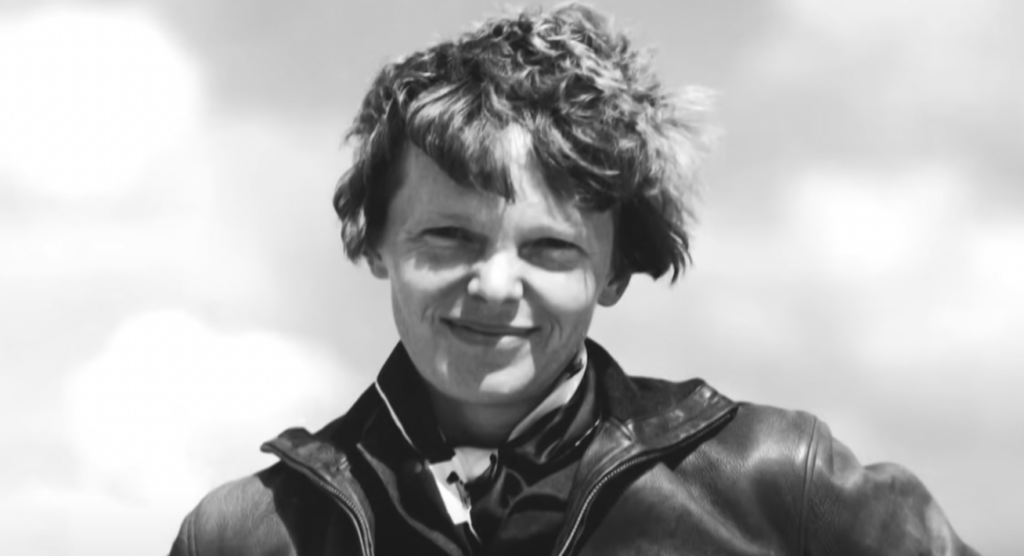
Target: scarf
column 503, row 501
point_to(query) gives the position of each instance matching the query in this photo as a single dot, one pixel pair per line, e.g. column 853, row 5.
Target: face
column 492, row 298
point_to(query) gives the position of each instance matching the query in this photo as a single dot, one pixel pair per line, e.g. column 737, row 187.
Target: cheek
column 566, row 294
column 418, row 287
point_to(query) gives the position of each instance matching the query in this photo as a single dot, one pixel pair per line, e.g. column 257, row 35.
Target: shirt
column 467, row 499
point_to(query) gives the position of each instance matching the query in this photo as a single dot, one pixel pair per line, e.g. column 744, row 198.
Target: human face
column 491, row 298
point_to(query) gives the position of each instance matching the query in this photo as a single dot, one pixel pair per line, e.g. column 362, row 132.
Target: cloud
column 47, row 520
column 925, row 285
column 965, row 316
column 864, row 226
column 172, row 403
column 877, row 80
column 232, row 222
column 171, row 406
column 868, row 283
column 90, row 98
column 940, row 280
column 155, row 414
column 927, row 41
column 889, row 236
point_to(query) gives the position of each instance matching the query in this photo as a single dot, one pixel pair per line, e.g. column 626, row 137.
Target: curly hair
column 605, row 133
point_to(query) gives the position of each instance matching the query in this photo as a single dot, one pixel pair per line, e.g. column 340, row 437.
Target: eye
column 554, row 244
column 447, row 235
column 554, row 253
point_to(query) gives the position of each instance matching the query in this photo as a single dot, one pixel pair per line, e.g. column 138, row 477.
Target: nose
column 496, row 278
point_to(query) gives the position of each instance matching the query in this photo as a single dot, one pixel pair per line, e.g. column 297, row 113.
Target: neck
column 481, row 425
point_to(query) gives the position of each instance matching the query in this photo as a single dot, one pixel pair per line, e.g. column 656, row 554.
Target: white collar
column 559, row 396
column 471, row 462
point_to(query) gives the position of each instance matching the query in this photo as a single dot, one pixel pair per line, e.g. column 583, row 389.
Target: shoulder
column 772, row 447
column 238, row 517
column 800, row 471
column 778, row 439
column 764, row 426
column 757, row 465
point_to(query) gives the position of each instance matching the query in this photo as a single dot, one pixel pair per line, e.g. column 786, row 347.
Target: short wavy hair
column 605, row 132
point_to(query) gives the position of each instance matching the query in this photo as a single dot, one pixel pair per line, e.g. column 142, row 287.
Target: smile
column 476, row 332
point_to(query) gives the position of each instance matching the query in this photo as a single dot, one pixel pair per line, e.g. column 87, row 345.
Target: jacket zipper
column 570, row 542
column 592, row 495
column 362, row 525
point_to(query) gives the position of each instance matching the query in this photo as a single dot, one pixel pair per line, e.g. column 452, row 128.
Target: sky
column 173, row 290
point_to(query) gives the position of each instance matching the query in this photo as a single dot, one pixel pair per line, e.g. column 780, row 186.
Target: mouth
column 478, row 332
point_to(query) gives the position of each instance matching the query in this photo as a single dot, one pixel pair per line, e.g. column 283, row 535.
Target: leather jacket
column 674, row 468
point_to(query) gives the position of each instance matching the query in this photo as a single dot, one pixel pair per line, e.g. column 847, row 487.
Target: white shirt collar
column 471, row 462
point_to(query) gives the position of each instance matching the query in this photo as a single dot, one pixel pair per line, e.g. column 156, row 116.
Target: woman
column 506, row 184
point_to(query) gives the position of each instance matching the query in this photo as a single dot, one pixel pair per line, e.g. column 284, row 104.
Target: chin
column 502, row 383
column 507, row 383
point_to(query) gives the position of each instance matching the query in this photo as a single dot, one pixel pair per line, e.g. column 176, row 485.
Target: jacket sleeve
column 184, row 544
column 880, row 509
column 237, row 518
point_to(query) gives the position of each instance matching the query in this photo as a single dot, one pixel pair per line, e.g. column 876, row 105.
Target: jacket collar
column 643, row 417
column 655, row 414
column 404, row 395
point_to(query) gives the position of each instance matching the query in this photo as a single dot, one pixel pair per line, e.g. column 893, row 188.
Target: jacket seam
column 809, row 468
column 193, row 549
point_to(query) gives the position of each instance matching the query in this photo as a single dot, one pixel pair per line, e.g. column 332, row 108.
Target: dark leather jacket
column 674, row 468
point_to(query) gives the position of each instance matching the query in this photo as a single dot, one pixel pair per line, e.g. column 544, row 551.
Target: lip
column 480, row 332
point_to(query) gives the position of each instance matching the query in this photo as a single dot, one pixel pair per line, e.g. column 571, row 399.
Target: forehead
column 425, row 190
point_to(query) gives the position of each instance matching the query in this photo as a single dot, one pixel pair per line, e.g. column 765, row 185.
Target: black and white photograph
column 466, row 278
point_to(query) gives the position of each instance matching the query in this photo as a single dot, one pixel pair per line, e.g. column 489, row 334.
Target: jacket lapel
column 645, row 419
column 322, row 457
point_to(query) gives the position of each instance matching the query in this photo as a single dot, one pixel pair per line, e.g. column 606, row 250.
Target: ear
column 613, row 291
column 377, row 266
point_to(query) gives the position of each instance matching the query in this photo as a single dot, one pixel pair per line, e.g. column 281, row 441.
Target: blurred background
column 173, row 290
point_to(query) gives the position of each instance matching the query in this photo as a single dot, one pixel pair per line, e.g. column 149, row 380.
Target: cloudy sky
column 173, row 291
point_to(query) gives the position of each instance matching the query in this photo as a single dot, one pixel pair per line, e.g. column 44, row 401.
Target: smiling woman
column 506, row 183
column 491, row 297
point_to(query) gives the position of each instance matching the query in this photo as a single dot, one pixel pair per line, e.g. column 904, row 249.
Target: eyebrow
column 461, row 218
column 441, row 215
column 458, row 218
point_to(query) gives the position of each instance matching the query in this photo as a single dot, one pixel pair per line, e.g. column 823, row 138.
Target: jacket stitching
column 809, row 468
column 190, row 534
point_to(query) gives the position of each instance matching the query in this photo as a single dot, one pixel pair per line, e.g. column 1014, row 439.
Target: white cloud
column 78, row 247
column 863, row 226
column 90, row 98
column 170, row 407
column 930, row 291
column 158, row 416
column 190, row 228
column 967, row 313
column 901, row 67
column 896, row 280
column 855, row 21
column 46, row 520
